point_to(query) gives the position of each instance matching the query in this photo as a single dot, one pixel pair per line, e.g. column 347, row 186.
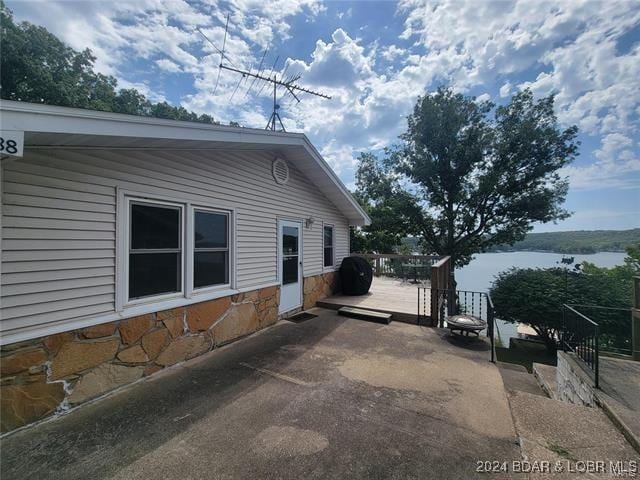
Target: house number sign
column 11, row 142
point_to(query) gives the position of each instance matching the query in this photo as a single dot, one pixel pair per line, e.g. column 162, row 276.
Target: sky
column 374, row 59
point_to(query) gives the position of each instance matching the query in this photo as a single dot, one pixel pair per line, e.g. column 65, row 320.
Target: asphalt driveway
column 327, row 398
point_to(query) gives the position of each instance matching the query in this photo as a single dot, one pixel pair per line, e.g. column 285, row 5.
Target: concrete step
column 546, row 377
column 517, row 379
column 363, row 314
column 555, row 431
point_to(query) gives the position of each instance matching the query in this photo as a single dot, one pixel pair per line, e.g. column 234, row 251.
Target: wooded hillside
column 582, row 241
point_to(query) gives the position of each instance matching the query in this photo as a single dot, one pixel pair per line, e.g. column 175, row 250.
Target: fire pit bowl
column 466, row 324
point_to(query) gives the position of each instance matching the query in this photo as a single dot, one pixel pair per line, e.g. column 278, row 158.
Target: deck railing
column 581, row 336
column 415, row 268
column 456, row 302
column 440, row 281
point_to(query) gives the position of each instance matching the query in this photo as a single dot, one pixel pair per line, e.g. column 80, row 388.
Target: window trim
column 333, row 247
column 188, row 295
column 191, row 289
column 130, row 200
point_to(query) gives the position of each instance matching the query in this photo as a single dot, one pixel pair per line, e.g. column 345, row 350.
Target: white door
column 290, row 264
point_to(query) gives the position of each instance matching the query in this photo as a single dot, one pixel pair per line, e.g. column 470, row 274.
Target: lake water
column 480, row 273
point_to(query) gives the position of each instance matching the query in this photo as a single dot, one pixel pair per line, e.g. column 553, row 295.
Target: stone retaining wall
column 573, row 383
column 47, row 375
column 319, row 287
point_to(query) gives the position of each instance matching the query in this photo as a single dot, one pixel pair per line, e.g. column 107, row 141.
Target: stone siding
column 47, row 375
column 319, row 287
column 573, row 383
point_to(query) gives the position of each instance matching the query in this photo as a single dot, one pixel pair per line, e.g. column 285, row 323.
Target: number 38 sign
column 11, row 142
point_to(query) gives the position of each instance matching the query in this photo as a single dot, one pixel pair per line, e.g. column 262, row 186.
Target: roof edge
column 74, row 112
column 237, row 133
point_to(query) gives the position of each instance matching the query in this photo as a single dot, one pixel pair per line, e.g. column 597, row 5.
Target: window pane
column 210, row 230
column 328, row 236
column 328, row 257
column 154, row 226
column 289, row 270
column 289, row 240
column 153, row 274
column 210, row 268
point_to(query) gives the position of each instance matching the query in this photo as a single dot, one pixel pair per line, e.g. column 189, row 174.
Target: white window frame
column 188, row 294
column 333, row 247
column 191, row 289
column 163, row 296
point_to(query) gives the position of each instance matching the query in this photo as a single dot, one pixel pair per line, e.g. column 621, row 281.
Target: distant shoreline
column 580, row 242
column 555, row 251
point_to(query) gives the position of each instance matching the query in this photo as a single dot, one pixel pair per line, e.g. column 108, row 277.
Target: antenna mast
column 288, row 84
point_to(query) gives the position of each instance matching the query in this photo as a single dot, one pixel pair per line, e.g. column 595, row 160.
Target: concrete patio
column 331, row 397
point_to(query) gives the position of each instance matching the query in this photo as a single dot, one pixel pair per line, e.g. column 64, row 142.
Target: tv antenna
column 287, row 83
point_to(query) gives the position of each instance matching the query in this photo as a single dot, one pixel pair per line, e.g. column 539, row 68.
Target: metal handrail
column 582, row 338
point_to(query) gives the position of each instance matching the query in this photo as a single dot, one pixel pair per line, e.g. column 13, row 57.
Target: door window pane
column 328, row 257
column 210, row 230
column 328, row 246
column 210, row 268
column 289, row 270
column 154, row 273
column 328, row 236
column 154, row 227
column 289, row 240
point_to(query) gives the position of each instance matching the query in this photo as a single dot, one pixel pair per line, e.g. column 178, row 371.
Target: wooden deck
column 386, row 295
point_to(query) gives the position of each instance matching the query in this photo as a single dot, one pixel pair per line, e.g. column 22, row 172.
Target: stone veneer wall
column 574, row 385
column 47, row 375
column 319, row 287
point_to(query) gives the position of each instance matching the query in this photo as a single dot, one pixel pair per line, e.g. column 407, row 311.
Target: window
column 328, row 246
column 155, row 249
column 172, row 251
column 211, row 248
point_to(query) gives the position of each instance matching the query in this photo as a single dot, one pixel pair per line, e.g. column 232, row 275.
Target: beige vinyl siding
column 59, row 221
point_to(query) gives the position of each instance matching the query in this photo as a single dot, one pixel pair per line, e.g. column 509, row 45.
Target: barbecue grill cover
column 356, row 276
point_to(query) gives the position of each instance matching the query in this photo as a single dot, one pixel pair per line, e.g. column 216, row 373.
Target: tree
column 37, row 67
column 389, row 207
column 536, row 297
column 471, row 175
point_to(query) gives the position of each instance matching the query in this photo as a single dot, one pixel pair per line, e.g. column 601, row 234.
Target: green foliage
column 535, row 297
column 469, row 176
column 390, row 207
column 37, row 67
column 583, row 241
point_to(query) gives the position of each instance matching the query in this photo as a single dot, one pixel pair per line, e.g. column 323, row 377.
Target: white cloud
column 391, row 52
column 505, row 90
column 345, row 15
column 576, row 48
column 573, row 48
column 617, row 166
column 168, row 65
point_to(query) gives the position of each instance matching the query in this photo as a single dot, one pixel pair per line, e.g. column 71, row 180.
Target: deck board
column 387, row 295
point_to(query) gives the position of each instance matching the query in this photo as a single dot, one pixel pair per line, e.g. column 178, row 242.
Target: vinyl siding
column 59, row 221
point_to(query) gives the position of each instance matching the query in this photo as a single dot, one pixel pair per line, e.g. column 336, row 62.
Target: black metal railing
column 615, row 330
column 457, row 302
column 581, row 336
